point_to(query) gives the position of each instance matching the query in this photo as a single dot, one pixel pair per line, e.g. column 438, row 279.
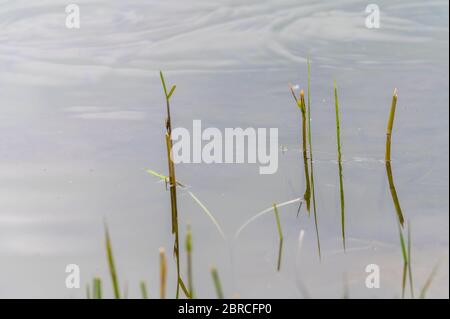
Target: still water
column 82, row 116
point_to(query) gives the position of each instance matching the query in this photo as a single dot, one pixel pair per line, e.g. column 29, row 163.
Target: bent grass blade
column 264, row 212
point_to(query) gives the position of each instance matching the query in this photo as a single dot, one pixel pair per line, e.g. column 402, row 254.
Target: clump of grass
column 162, row 273
column 144, row 292
column 216, row 281
column 302, row 106
column 189, row 260
column 341, row 182
column 311, row 159
column 97, row 288
column 111, row 264
column 280, row 235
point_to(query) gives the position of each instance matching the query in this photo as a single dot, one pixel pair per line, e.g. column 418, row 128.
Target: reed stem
column 280, row 235
column 341, row 181
column 311, row 160
column 172, row 181
column 302, row 106
column 393, row 191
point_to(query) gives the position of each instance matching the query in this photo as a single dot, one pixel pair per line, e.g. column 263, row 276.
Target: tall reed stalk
column 172, row 182
column 341, row 182
column 390, row 126
column 311, row 160
column 301, row 105
column 280, row 235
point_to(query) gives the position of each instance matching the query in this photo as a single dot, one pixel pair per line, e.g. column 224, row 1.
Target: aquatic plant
column 111, row 264
column 311, row 160
column 280, row 235
column 216, row 281
column 301, row 104
column 341, row 182
column 189, row 260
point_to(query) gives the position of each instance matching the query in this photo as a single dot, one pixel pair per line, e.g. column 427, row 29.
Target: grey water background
column 82, row 117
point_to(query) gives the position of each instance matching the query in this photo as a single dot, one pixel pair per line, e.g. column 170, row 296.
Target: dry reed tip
column 395, row 92
column 302, row 93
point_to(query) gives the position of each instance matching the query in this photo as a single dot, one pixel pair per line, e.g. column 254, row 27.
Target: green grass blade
column 264, row 212
column 144, row 292
column 217, row 284
column 341, row 181
column 111, row 264
column 311, row 160
column 426, row 286
column 280, row 234
column 410, row 262
column 97, row 284
column 208, row 213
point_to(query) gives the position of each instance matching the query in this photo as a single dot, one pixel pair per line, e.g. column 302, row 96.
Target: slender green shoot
column 341, row 182
column 162, row 273
column 405, row 258
column 264, row 212
column 311, row 160
column 280, row 234
column 426, row 286
column 411, row 286
column 97, row 286
column 217, row 284
column 172, row 180
column 208, row 213
column 301, row 104
column 111, row 264
column 390, row 125
column 144, row 292
column 189, row 260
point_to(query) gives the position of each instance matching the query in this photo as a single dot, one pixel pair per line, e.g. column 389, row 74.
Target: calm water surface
column 82, row 113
